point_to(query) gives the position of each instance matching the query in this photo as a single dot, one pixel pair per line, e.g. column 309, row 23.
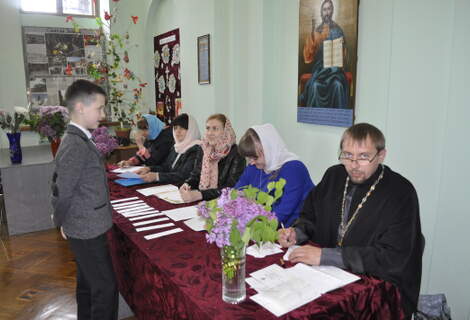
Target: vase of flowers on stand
column 50, row 123
column 234, row 219
column 11, row 124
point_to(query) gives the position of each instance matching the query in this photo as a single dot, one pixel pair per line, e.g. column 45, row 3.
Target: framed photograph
column 203, row 59
column 327, row 58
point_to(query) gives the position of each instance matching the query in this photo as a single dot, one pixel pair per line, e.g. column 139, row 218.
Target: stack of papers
column 283, row 290
column 134, row 209
column 171, row 197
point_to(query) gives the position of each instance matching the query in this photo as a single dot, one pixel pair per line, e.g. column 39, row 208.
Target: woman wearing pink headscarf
column 218, row 166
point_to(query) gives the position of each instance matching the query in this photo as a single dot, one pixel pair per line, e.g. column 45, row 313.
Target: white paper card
column 162, row 234
column 134, row 209
column 145, row 216
column 266, row 249
column 196, row 223
column 182, row 213
column 142, row 223
column 158, row 226
column 158, row 189
column 129, row 175
column 125, row 199
column 171, row 197
column 127, row 169
column 140, row 213
column 289, row 251
column 127, row 205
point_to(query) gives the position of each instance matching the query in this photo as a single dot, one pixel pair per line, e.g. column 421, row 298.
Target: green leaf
column 234, row 194
column 246, row 235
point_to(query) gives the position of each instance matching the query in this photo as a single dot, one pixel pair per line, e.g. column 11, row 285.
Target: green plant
column 112, row 71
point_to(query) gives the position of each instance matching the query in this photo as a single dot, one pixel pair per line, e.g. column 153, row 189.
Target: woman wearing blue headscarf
column 154, row 141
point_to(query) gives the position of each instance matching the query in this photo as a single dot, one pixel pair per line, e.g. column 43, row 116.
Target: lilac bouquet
column 103, row 140
column 239, row 216
column 51, row 121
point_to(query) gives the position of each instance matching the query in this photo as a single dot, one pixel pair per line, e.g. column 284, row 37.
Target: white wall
column 12, row 72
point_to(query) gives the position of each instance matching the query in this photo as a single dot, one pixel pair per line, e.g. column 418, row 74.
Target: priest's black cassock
column 384, row 240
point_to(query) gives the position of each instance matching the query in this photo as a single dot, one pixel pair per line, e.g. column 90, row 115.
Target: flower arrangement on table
column 237, row 217
column 11, row 123
column 113, row 70
column 50, row 122
column 105, row 143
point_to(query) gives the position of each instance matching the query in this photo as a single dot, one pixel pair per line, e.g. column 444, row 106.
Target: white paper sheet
column 171, row 197
column 162, row 234
column 158, row 226
column 128, row 175
column 140, row 213
column 289, row 251
column 182, row 213
column 142, row 223
column 127, row 169
column 158, row 189
column 127, row 205
column 124, row 199
column 266, row 249
column 145, row 216
column 196, row 223
column 134, row 209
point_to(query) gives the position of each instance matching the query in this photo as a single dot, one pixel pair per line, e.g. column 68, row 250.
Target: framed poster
column 327, row 62
column 203, row 59
column 56, row 57
column 167, row 75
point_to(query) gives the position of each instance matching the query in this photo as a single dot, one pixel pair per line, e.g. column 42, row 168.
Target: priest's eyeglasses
column 363, row 159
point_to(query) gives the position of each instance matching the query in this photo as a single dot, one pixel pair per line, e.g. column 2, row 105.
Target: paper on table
column 158, row 189
column 129, row 175
column 126, row 204
column 182, row 213
column 124, row 199
column 140, row 213
column 161, row 234
column 289, row 251
column 266, row 249
column 171, row 197
column 139, row 208
column 196, row 223
column 283, row 290
column 141, row 223
column 144, row 215
column 127, row 169
column 158, row 226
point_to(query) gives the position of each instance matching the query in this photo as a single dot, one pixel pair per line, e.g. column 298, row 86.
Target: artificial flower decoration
column 134, row 19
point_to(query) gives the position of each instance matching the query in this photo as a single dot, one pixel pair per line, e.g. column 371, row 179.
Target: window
column 60, row 7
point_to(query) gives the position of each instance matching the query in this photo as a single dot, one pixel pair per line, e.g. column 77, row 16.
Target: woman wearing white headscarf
column 180, row 161
column 269, row 160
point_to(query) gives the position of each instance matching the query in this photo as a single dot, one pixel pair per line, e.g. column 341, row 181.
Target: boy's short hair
column 82, row 91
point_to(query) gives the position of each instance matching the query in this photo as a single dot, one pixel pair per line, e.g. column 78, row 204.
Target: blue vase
column 15, row 147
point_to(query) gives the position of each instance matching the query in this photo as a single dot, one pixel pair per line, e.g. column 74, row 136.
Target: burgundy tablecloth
column 179, row 277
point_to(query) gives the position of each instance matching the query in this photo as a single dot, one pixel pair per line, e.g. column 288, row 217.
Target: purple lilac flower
column 104, row 142
column 46, row 131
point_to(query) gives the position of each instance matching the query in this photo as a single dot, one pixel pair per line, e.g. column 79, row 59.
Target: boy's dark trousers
column 97, row 294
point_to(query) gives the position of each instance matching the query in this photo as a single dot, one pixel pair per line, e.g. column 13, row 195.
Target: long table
column 179, row 277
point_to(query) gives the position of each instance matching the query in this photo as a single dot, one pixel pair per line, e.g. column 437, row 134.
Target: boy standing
column 80, row 199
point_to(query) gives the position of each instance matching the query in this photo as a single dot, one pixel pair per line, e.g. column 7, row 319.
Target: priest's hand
column 149, row 177
column 190, row 195
column 143, row 170
column 123, row 164
column 307, row 254
column 287, row 237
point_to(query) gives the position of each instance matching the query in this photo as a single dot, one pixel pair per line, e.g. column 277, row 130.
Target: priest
column 364, row 217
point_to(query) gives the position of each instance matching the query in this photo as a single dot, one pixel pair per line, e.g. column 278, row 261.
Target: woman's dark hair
column 182, row 121
column 247, row 145
column 218, row 116
column 142, row 124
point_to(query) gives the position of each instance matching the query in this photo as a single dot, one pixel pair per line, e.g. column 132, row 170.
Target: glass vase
column 233, row 274
column 15, row 147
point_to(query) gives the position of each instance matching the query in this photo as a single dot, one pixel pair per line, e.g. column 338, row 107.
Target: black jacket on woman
column 159, row 148
column 230, row 169
column 182, row 168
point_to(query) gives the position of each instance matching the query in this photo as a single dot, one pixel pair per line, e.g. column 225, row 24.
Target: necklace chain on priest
column 344, row 227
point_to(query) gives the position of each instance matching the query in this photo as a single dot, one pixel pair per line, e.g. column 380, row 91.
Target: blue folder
column 129, row 182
